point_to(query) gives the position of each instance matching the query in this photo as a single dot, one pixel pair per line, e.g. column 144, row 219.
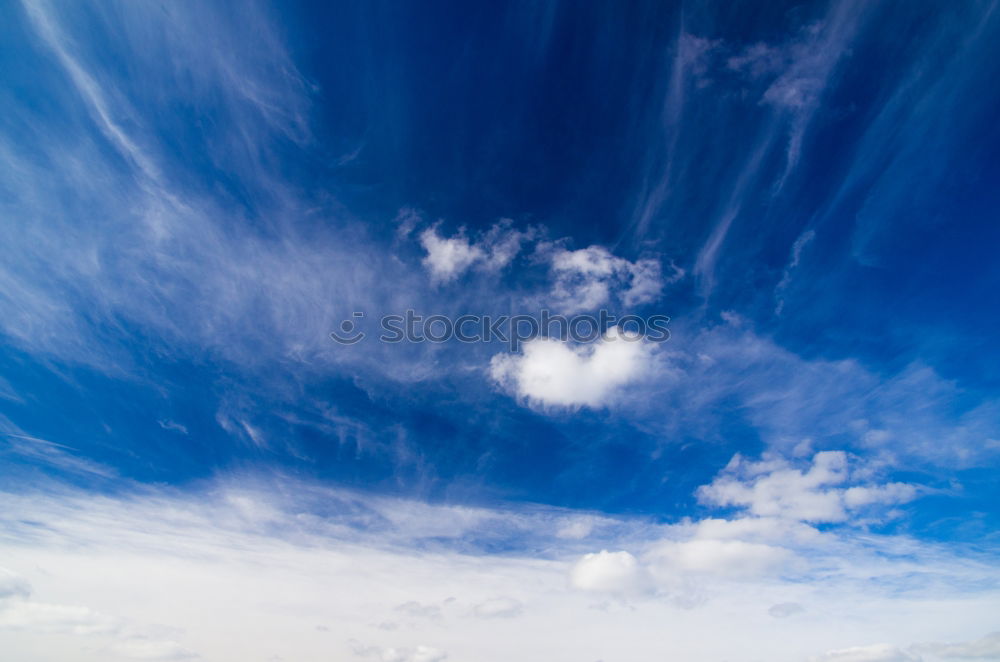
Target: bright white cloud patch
column 585, row 279
column 775, row 488
column 581, row 280
column 608, row 572
column 733, row 558
column 450, row 257
column 552, row 372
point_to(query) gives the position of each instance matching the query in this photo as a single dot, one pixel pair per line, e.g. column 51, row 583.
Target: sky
column 211, row 450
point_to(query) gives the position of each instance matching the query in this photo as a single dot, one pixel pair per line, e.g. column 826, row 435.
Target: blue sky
column 194, row 198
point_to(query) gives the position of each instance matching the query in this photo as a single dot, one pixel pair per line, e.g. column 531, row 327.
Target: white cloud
column 720, row 558
column 582, row 280
column 242, row 571
column 450, row 257
column 552, row 372
column 646, row 282
column 891, row 493
column 608, row 572
column 775, row 488
column 585, row 279
column 756, row 529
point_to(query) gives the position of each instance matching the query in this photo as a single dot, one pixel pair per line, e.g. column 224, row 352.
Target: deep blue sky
column 193, row 197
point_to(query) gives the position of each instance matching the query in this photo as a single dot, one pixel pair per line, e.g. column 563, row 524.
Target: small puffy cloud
column 586, row 278
column 498, row 608
column 449, row 257
column 552, row 372
column 873, row 653
column 608, row 572
column 582, row 280
column 775, row 488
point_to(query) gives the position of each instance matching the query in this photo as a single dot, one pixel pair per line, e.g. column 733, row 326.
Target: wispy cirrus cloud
column 183, row 238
